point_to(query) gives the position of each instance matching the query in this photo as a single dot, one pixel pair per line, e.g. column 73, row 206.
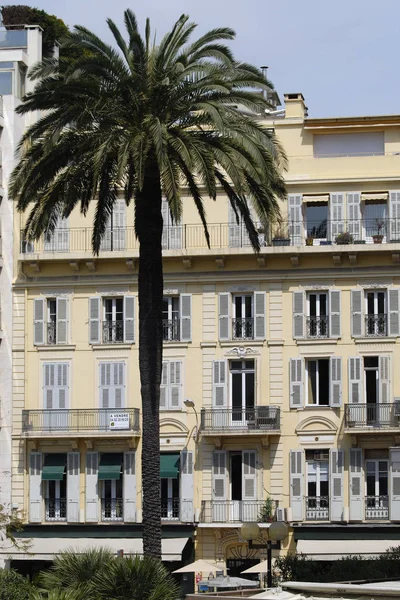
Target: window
column 242, row 316
column 55, row 487
column 111, row 320
column 317, row 310
column 58, row 239
column 242, row 322
column 171, row 319
column 171, row 390
column 237, row 230
column 235, row 490
column 317, row 215
column 318, row 382
column 317, row 314
column 317, row 473
column 50, row 321
column 377, row 500
column 55, row 396
column 115, row 234
column 349, row 144
column 375, row 314
column 172, row 232
column 111, row 391
column 369, row 387
column 111, row 486
column 242, row 390
column 170, row 483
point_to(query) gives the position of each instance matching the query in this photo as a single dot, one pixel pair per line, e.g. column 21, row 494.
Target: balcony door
column 58, row 240
column 170, row 498
column 112, row 500
column 317, row 501
column 377, row 499
column 375, row 314
column 242, row 376
column 171, row 318
column 375, row 219
column 242, row 479
column 56, row 499
column 113, row 324
column 243, row 318
column 55, row 388
column 112, row 392
column 371, row 378
column 317, row 315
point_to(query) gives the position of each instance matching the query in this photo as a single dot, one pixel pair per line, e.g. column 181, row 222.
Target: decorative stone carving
column 242, row 351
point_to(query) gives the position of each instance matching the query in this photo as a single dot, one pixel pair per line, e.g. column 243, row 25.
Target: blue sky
column 343, row 55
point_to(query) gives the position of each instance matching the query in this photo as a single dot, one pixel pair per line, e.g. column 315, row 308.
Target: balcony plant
column 281, row 237
column 378, row 237
column 309, row 241
column 344, row 238
column 267, row 511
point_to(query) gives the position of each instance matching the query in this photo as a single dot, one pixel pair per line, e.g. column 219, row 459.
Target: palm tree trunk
column 148, row 221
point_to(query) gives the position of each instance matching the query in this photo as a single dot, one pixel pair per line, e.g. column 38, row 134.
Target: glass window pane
column 6, row 83
column 323, row 382
column 312, row 382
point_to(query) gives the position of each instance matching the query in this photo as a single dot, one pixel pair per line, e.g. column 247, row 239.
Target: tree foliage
column 14, row 586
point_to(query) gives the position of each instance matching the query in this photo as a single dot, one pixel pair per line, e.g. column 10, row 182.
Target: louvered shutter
column 393, row 310
column 357, row 324
column 166, row 224
column 336, row 214
column 119, row 384
column 394, row 487
column 356, row 487
column 298, row 315
column 234, row 228
column 295, row 219
column 129, row 487
column 296, row 484
column 62, row 320
column 259, row 316
column 49, row 401
column 224, row 315
column 119, row 225
column 384, row 379
column 296, row 383
column 355, row 379
column 219, row 383
column 249, row 475
column 94, row 321
column 175, row 384
column 129, row 319
column 62, row 384
column 187, row 487
column 35, row 487
column 335, row 391
column 164, row 385
column 336, row 505
column 219, row 486
column 334, row 314
column 354, row 215
column 38, row 324
column 73, row 487
column 92, row 494
column 185, row 302
column 395, row 215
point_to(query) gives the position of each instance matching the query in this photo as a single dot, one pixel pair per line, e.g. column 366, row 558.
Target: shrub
column 14, row 586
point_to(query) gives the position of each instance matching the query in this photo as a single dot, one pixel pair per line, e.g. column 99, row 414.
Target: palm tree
column 143, row 121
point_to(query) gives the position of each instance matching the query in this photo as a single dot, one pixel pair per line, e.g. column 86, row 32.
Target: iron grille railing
column 171, row 330
column 318, row 327
column 112, row 509
column 376, row 508
column 170, row 509
column 262, row 418
column 317, row 508
column 113, row 332
column 51, row 333
column 234, row 511
column 243, row 329
column 55, row 509
column 79, row 420
column 376, row 325
column 372, row 415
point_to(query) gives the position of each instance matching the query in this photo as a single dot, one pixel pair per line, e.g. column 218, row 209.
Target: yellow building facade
column 279, row 395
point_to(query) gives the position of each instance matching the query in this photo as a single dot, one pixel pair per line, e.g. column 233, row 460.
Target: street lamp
column 190, row 404
column 277, row 532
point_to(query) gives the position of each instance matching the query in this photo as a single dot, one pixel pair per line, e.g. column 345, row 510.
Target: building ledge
column 55, row 347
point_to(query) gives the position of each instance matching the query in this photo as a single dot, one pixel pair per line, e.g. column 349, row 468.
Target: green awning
column 54, row 467
column 169, row 465
column 110, row 466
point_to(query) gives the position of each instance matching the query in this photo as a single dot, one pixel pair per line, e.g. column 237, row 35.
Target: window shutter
column 119, row 225
column 62, row 384
column 249, row 475
column 336, row 382
column 38, row 321
column 355, row 378
column 356, row 487
column 394, row 489
column 166, row 224
column 336, row 463
column 62, row 320
column 354, row 215
column 296, row 383
column 224, row 316
column 187, row 487
column 219, row 486
column 334, row 313
column 394, row 308
column 219, row 383
column 185, row 301
column 384, row 379
column 357, row 325
column 164, row 385
column 394, row 215
column 295, row 219
column 336, row 214
column 92, row 494
column 35, row 487
column 296, row 484
column 73, row 487
column 298, row 315
column 119, row 385
column 234, row 228
column 129, row 485
column 175, row 384
column 259, row 316
column 129, row 319
column 94, row 321
column 105, row 384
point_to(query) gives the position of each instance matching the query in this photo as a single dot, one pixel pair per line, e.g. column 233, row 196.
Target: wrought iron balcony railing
column 170, row 509
column 376, row 325
column 376, row 508
column 112, row 509
column 243, row 329
column 378, row 416
column 317, row 508
column 113, row 332
column 55, row 509
column 51, row 333
column 259, row 418
column 171, row 330
column 318, row 327
column 235, row 511
column 80, row 420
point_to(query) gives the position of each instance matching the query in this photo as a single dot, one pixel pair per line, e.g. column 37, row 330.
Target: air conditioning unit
column 280, row 514
column 396, row 407
column 321, row 455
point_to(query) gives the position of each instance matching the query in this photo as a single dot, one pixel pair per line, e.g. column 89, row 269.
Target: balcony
column 243, row 329
column 317, row 508
column 370, row 417
column 228, row 421
column 376, row 325
column 17, row 38
column 318, row 327
column 171, row 330
column 81, row 422
column 235, row 511
column 112, row 509
column 55, row 509
column 113, row 332
column 377, row 508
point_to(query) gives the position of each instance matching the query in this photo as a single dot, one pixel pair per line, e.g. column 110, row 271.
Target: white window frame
column 376, row 369
column 317, row 306
column 243, row 372
column 171, row 315
column 243, row 304
column 318, row 464
column 376, row 461
column 306, row 384
column 376, row 292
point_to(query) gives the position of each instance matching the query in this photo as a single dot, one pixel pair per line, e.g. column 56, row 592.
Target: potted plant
column 309, row 241
column 378, row 237
column 267, row 511
column 281, row 237
column 344, row 238
column 261, row 235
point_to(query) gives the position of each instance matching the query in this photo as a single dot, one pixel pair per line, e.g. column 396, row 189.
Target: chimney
column 295, row 106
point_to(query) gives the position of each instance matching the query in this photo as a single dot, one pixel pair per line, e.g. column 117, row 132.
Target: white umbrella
column 262, row 567
column 198, row 566
column 229, row 582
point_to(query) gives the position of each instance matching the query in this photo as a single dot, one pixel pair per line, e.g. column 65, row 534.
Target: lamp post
column 190, row 404
column 277, row 532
